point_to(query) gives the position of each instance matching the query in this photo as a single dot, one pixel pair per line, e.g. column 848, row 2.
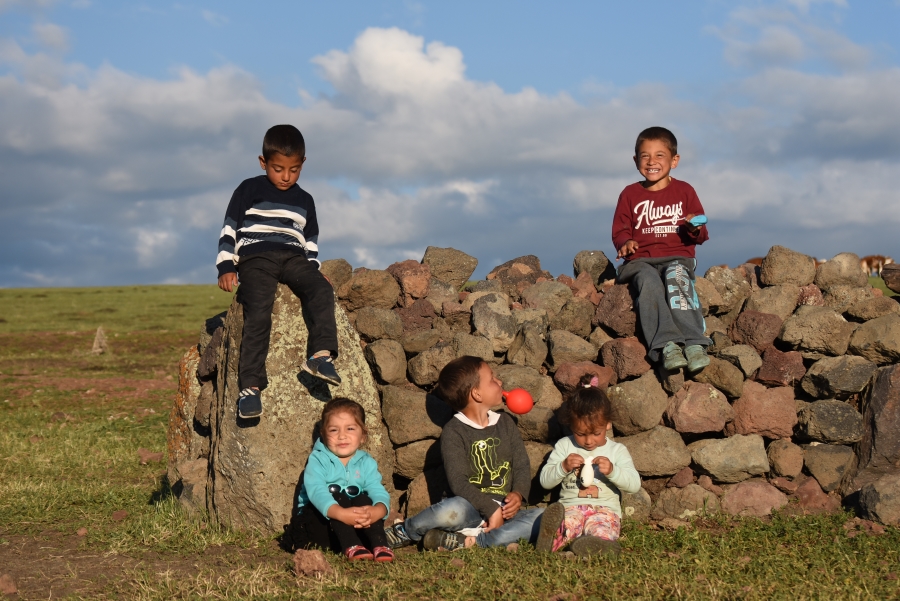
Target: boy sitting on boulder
column 487, row 468
column 653, row 231
column 269, row 236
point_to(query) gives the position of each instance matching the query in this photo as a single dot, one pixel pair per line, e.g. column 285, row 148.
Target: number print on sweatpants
column 682, row 294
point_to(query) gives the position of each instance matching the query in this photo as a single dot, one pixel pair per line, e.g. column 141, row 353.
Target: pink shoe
column 357, row 552
column 383, row 554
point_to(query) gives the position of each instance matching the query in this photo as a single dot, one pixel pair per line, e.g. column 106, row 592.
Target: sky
column 501, row 129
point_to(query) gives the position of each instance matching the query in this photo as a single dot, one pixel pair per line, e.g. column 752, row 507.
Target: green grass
column 71, row 424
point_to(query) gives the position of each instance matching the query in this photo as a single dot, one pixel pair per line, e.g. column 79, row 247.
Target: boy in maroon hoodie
column 653, row 231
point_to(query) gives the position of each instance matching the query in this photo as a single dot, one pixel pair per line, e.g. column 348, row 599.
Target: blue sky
column 499, row 128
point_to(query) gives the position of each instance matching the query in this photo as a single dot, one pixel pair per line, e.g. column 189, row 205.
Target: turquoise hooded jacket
column 324, row 468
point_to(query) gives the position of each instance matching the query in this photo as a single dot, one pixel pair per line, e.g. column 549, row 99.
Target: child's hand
column 573, row 462
column 368, row 515
column 690, row 226
column 345, row 515
column 627, row 249
column 495, row 521
column 227, row 281
column 513, row 502
column 604, row 464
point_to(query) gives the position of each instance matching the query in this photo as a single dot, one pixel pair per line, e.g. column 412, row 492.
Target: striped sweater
column 260, row 217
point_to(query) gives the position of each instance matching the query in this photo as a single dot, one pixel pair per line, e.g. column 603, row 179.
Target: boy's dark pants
column 260, row 275
column 667, row 302
column 312, row 529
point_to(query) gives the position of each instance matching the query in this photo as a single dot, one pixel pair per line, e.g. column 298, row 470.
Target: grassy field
column 80, row 517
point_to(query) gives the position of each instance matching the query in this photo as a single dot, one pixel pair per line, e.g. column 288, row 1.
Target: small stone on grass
column 8, row 585
column 81, row 531
column 311, row 563
column 146, row 456
column 120, row 515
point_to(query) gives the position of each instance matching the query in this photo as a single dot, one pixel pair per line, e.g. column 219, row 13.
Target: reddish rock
column 811, row 296
column 756, row 329
column 418, row 316
column 147, row 456
column 568, row 375
column 82, row 531
column 518, row 274
column 181, row 417
column 698, row 408
column 706, row 483
column 414, row 279
column 8, row 585
column 753, row 497
column 567, row 280
column 784, row 485
column 583, row 287
column 781, row 369
column 626, row 356
column 120, row 515
column 311, row 563
column 681, row 479
column 880, row 445
column 769, row 412
column 616, row 311
column 369, row 288
column 814, row 500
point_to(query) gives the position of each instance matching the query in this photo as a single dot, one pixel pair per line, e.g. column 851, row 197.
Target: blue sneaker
column 322, row 368
column 397, row 536
column 249, row 403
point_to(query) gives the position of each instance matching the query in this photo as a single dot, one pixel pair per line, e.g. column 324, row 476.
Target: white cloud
column 51, row 35
column 214, row 18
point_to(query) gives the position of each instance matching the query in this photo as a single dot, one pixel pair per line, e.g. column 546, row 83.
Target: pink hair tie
column 595, row 382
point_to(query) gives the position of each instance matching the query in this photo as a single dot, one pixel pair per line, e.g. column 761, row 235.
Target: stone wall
column 799, row 406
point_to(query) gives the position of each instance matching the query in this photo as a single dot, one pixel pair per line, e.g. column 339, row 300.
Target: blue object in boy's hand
column 698, row 220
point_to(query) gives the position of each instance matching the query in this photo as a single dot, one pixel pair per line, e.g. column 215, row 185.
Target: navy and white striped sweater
column 261, row 217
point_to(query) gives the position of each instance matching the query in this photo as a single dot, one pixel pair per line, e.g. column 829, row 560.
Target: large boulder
column 769, row 412
column 878, row 340
column 755, row 497
column 698, row 408
column 891, row 276
column 723, row 376
column 388, row 361
column 756, row 329
column 417, row 317
column 541, row 387
column 568, row 375
column 709, row 297
column 834, row 422
column 183, row 442
column 575, row 316
column 414, row 279
column 374, row 323
column 529, row 347
column 780, row 300
column 843, row 298
column 412, row 459
column 781, row 369
column 828, row 463
column 880, row 500
column 626, row 356
column 426, row 489
column 637, row 405
column 493, row 320
column 880, row 444
column 549, row 296
column 657, row 452
column 785, row 458
column 411, row 414
column 474, row 346
column 817, row 329
column 369, row 288
column 338, row 271
column 566, row 347
column 425, row 367
column 450, row 265
column 595, row 263
column 684, row 503
column 842, row 270
column 873, row 308
column 732, row 459
column 742, row 356
column 731, row 285
column 518, row 274
column 616, row 311
column 255, row 465
column 784, row 266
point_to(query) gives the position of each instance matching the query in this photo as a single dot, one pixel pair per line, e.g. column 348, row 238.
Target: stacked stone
column 801, row 400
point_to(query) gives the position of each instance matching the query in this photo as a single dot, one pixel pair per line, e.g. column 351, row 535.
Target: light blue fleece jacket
column 324, row 468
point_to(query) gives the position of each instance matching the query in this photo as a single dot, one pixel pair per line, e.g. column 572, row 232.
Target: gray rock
column 714, row 324
column 878, row 340
column 549, row 296
column 425, row 367
column 880, row 445
column 636, row 506
column 732, row 459
column 370, row 288
column 536, row 318
column 487, row 286
column 599, row 337
column 754, row 498
column 710, row 299
column 880, row 501
column 450, row 265
column 516, row 275
column 575, row 316
column 493, row 320
column 722, row 375
column 254, row 470
column 842, row 298
column 780, row 300
column 827, row 463
column 537, row 455
column 541, row 387
column 411, row 414
column 440, row 292
column 338, row 271
column 475, row 346
column 817, row 329
column 731, row 285
column 538, row 425
column 184, row 442
column 418, row 341
column 891, row 276
column 842, row 270
column 637, row 405
column 742, row 356
column 698, row 408
column 374, row 323
column 595, row 263
column 566, row 347
column 873, row 308
column 528, row 348
column 684, row 503
column 833, row 422
column 414, row 458
column 785, row 458
column 467, row 302
column 784, row 266
column 838, row 377
column 426, row 489
column 189, row 484
column 657, row 452
column 388, row 361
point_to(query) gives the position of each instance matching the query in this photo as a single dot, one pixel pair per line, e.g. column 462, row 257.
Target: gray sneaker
column 673, row 358
column 594, row 545
column 551, row 520
column 322, row 368
column 436, row 540
column 696, row 357
column 397, row 536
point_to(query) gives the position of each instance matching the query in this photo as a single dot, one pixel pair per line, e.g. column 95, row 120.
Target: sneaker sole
column 248, row 416
column 432, row 541
column 320, row 376
column 583, row 546
column 551, row 520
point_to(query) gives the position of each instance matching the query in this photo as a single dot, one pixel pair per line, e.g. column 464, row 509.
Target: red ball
column 519, row 401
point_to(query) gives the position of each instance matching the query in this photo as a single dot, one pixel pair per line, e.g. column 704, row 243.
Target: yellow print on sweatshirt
column 486, row 474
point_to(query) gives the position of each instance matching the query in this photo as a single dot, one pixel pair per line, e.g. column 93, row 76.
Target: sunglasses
column 350, row 491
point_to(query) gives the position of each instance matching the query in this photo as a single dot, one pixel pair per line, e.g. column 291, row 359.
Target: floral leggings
column 587, row 520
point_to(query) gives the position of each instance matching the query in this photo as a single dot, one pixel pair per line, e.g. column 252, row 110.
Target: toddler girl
column 593, row 470
column 342, row 494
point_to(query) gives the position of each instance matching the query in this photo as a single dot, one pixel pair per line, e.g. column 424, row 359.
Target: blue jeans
column 455, row 513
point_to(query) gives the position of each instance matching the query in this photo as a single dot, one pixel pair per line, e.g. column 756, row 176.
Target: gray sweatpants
column 667, row 303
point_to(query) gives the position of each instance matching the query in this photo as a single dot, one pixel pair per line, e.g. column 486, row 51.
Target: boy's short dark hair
column 657, row 133
column 283, row 139
column 588, row 405
column 457, row 380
